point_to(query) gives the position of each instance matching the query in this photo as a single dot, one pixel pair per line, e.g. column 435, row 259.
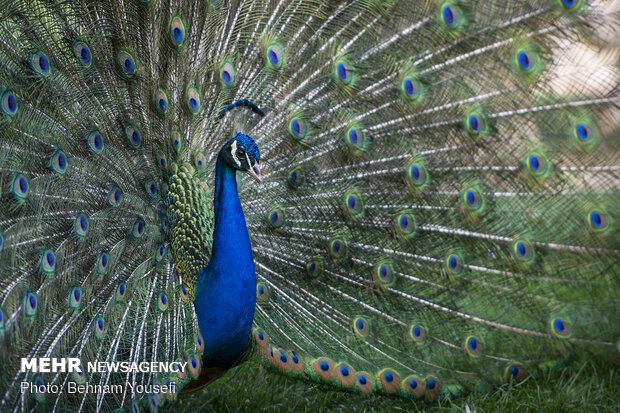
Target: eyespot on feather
column 324, row 368
column 389, row 380
column 81, row 225
column 161, row 101
column 95, row 142
column 9, row 103
column 40, row 64
column 227, row 75
column 364, row 382
column 177, row 31
column 133, row 136
column 361, row 327
column 20, row 187
column 193, row 100
column 414, row 386
column 82, row 53
column 48, row 262
column 127, row 63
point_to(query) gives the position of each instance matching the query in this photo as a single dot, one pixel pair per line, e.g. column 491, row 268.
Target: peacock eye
column 240, row 154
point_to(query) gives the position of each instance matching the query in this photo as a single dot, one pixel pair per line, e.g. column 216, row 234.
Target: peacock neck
column 226, row 290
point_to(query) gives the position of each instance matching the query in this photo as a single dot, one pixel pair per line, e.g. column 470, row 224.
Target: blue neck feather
column 226, row 290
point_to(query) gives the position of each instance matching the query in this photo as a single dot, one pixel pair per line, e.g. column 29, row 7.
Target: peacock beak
column 255, row 172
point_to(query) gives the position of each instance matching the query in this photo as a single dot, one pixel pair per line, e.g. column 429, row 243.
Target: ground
column 585, row 386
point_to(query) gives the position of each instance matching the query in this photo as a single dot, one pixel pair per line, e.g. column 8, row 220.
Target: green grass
column 585, row 386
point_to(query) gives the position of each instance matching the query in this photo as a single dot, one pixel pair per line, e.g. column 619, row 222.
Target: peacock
column 415, row 198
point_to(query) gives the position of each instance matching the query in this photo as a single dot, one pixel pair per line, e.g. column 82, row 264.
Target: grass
column 585, row 386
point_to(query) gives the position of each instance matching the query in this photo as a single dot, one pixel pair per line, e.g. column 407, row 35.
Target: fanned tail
column 438, row 213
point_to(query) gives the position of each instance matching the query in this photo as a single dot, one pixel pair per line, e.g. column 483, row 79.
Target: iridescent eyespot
column 585, row 134
column 193, row 100
column 598, row 220
column 473, row 199
column 95, row 142
column 159, row 252
column 133, row 136
column 127, row 63
column 75, row 297
column 199, row 343
column 161, row 160
column 80, row 225
column 523, row 251
column 361, row 327
column 433, row 388
column 82, row 52
column 404, row 225
column 184, row 293
column 560, row 327
column 274, row 57
column 151, row 188
column 525, row 59
column 199, row 161
column 364, row 382
column 177, row 31
column 102, row 262
column 120, row 292
column 261, row 338
column 39, row 388
column 355, row 138
column 31, row 302
column 389, row 380
column 296, row 178
column 451, row 16
column 473, row 346
column 78, row 375
column 324, row 368
column 262, row 291
column 297, row 128
column 160, row 99
column 138, row 228
column 411, row 88
column 570, row 4
column 58, row 162
column 175, row 137
column 9, row 103
column 343, row 72
column 454, row 264
column 195, row 366
column 227, row 74
column 413, row 385
column 354, row 204
column 338, row 248
column 384, row 273
column 48, row 262
column 20, row 187
column 162, row 302
column 40, row 64
column 476, row 124
column 515, row 372
column 314, row 267
column 416, row 175
column 115, row 196
column 537, row 165
column 417, row 333
column 99, row 327
column 276, row 217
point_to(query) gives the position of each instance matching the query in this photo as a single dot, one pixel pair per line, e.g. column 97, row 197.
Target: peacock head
column 241, row 153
